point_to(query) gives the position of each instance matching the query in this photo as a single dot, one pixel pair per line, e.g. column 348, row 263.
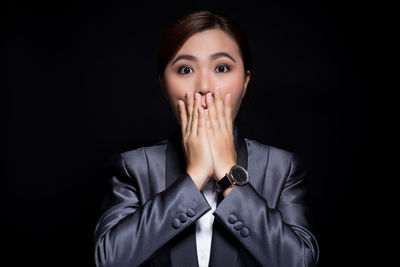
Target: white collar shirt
column 204, row 225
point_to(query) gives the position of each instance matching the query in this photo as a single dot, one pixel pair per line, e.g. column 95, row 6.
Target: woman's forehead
column 209, row 42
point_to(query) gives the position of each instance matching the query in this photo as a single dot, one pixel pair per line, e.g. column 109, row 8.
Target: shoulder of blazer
column 272, row 151
column 278, row 160
column 139, row 152
column 136, row 158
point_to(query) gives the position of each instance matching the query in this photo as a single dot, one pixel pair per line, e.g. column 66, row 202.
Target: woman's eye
column 222, row 68
column 185, row 70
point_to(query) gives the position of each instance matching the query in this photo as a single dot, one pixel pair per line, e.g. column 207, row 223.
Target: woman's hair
column 183, row 28
column 195, row 22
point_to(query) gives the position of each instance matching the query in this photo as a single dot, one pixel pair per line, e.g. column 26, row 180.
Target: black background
column 79, row 84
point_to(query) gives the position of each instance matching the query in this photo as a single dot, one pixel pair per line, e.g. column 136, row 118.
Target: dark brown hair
column 195, row 22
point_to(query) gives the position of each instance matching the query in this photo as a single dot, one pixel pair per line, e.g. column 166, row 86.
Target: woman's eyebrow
column 222, row 54
column 184, row 56
column 193, row 58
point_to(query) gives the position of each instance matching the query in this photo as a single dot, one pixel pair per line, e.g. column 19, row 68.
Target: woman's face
column 207, row 60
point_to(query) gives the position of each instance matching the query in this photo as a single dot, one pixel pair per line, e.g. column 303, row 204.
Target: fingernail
column 218, row 90
column 209, row 95
column 196, row 96
column 228, row 96
column 188, row 95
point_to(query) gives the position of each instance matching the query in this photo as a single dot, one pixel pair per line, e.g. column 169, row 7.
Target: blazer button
column 232, row 218
column 183, row 217
column 190, row 212
column 245, row 232
column 238, row 225
column 176, row 223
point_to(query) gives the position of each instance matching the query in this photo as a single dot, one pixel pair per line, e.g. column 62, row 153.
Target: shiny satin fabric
column 150, row 211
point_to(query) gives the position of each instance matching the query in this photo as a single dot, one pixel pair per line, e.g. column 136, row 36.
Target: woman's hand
column 195, row 140
column 220, row 133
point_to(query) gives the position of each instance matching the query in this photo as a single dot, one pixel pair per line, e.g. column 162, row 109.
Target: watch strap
column 223, row 183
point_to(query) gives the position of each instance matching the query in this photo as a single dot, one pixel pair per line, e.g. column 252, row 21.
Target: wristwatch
column 236, row 176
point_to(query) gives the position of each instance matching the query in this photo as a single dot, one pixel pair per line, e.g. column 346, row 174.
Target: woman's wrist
column 228, row 190
column 220, row 173
column 197, row 177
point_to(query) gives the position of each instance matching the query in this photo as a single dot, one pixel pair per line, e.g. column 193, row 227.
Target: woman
column 205, row 196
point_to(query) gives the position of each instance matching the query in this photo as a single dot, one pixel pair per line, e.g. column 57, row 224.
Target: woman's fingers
column 212, row 113
column 207, row 119
column 189, row 102
column 217, row 116
column 182, row 116
column 201, row 127
column 195, row 113
column 219, row 108
column 228, row 112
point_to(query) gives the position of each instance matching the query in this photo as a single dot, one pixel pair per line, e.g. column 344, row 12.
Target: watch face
column 239, row 174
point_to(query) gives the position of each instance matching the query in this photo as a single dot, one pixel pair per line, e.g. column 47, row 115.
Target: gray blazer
column 152, row 205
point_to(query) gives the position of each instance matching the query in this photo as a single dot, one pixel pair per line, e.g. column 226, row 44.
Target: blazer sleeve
column 275, row 237
column 129, row 232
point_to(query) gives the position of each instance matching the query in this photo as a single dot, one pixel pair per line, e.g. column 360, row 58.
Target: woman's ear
column 246, row 82
column 162, row 85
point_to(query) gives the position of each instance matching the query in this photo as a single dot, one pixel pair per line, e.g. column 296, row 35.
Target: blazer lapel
column 183, row 251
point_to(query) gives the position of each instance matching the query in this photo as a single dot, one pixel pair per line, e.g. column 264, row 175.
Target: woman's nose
column 205, row 82
column 204, row 85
